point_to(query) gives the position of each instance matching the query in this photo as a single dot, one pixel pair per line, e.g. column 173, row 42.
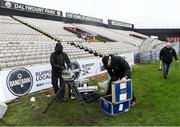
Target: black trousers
column 109, row 91
column 54, row 79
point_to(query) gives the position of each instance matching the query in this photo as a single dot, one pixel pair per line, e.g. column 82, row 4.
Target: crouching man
column 118, row 69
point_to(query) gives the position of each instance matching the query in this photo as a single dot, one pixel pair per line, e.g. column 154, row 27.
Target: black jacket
column 58, row 62
column 166, row 55
column 119, row 68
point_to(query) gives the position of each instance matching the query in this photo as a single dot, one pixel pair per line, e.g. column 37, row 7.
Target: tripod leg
column 52, row 100
column 81, row 102
column 75, row 91
column 69, row 90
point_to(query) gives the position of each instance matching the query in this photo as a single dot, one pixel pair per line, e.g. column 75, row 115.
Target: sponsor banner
column 83, row 18
column 85, row 68
column 17, row 82
column 119, row 23
column 88, row 67
column 29, row 8
column 20, row 81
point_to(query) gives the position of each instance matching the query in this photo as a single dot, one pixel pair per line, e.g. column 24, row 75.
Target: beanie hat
column 58, row 48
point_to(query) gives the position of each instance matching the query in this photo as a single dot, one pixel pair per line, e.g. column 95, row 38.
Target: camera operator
column 58, row 59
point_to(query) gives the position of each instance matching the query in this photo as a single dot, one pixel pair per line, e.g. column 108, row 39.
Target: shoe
column 165, row 77
column 132, row 104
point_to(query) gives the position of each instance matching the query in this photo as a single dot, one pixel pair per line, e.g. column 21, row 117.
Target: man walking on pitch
column 166, row 55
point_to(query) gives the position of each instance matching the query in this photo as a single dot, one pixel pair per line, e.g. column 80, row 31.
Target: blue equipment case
column 113, row 109
column 121, row 91
column 119, row 101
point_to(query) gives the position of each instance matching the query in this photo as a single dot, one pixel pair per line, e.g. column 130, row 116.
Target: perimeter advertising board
column 20, row 81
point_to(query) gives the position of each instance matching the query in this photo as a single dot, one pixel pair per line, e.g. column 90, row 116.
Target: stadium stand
column 12, row 30
column 22, row 45
column 28, row 41
column 131, row 33
column 54, row 28
column 107, row 48
column 117, row 36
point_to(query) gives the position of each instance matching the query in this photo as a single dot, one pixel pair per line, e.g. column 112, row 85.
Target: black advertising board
column 119, row 23
column 29, row 8
column 83, row 18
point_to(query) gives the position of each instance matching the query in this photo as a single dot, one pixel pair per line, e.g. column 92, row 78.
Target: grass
column 158, row 103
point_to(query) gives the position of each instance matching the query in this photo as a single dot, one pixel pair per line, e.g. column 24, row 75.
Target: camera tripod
column 75, row 92
column 69, row 79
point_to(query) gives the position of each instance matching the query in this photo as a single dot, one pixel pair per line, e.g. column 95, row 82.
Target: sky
column 141, row 13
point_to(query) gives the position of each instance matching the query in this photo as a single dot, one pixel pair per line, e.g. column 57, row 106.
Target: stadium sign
column 83, row 18
column 28, row 8
column 19, row 81
column 119, row 23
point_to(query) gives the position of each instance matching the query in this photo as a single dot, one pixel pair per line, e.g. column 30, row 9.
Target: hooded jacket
column 58, row 59
column 166, row 54
column 119, row 67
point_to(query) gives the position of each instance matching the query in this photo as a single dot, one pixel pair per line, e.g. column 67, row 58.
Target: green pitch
column 158, row 103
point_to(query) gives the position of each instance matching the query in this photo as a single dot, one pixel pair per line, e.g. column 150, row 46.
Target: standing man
column 118, row 68
column 166, row 55
column 58, row 60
